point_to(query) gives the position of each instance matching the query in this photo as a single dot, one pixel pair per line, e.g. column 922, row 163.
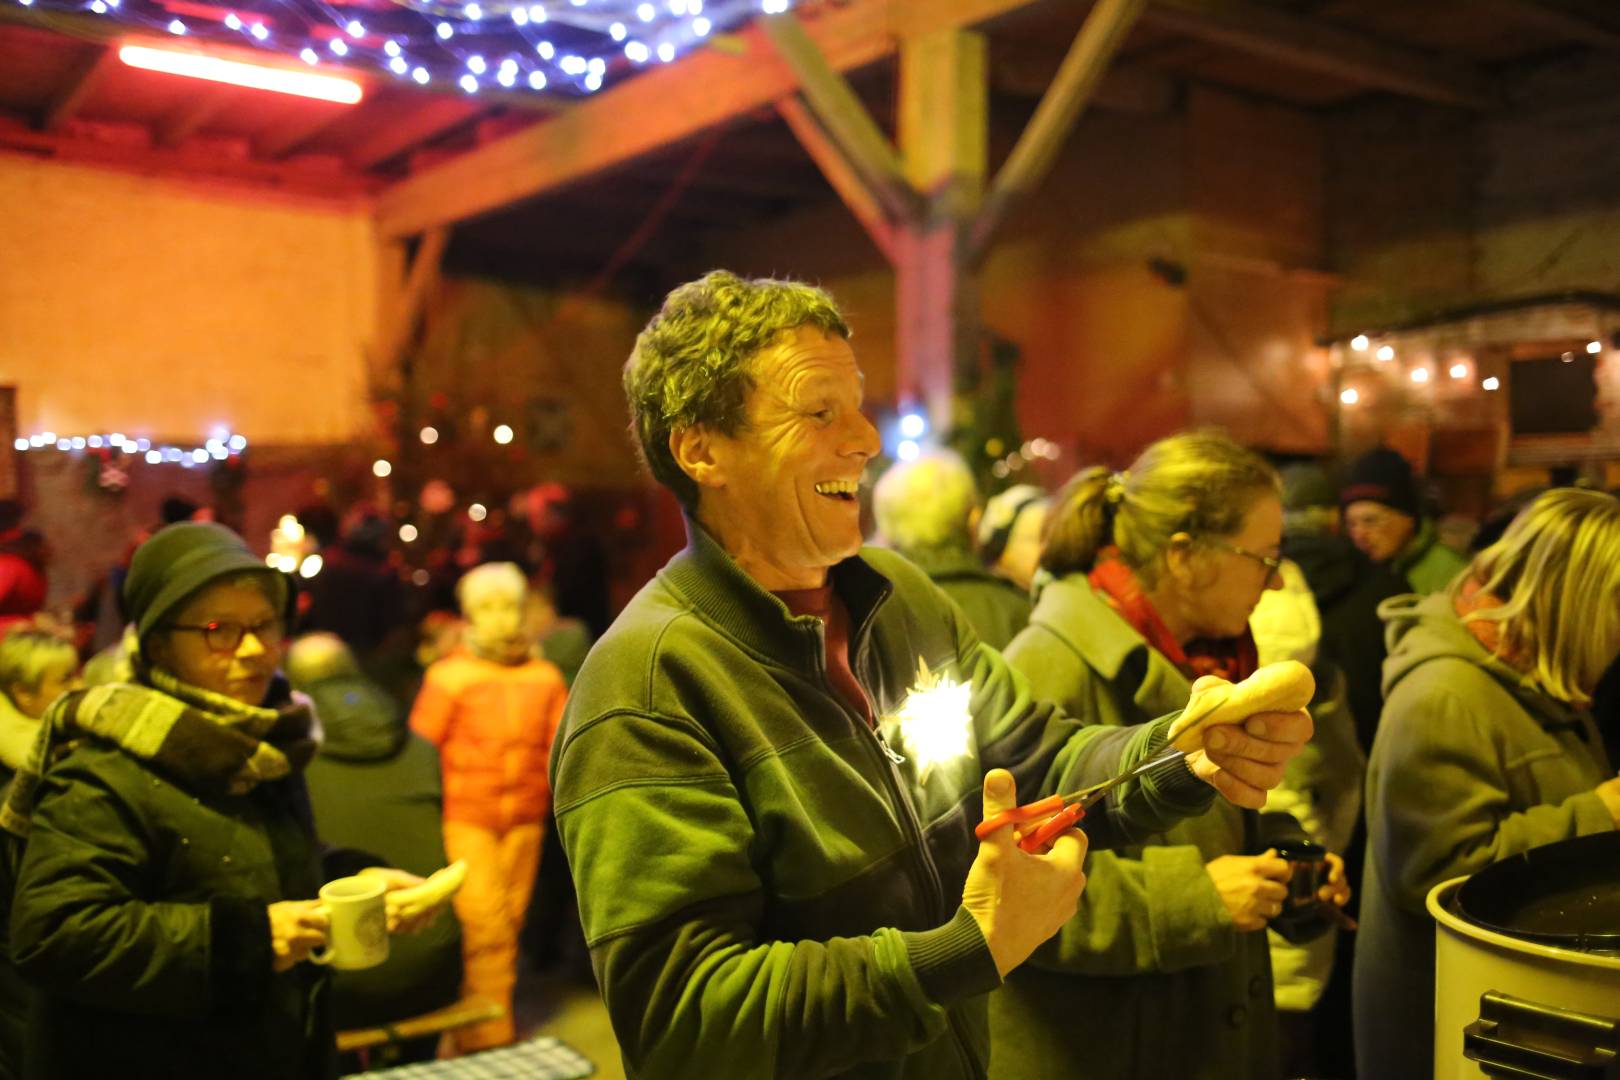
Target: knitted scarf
column 1233, row 659
column 203, row 741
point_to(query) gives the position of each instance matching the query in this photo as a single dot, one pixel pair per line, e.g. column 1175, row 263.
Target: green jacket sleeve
column 84, row 925
column 660, row 841
column 1442, row 809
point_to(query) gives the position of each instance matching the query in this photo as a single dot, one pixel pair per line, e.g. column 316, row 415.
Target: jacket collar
column 1069, row 608
column 1422, row 540
column 709, row 579
column 944, row 564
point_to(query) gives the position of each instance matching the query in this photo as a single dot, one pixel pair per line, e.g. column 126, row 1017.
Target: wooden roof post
column 944, row 141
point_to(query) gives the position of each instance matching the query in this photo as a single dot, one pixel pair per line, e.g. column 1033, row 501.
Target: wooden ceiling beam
column 642, row 115
column 1569, row 22
column 298, row 131
column 187, row 120
column 87, row 75
column 840, row 173
column 432, row 118
column 1311, row 44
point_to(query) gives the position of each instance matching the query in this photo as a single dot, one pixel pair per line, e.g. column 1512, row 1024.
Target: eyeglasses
column 1272, row 563
column 225, row 635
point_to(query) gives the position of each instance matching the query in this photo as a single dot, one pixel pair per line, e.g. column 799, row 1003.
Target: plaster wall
column 151, row 307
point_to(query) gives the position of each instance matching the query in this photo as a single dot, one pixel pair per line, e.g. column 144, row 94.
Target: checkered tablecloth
column 538, row 1059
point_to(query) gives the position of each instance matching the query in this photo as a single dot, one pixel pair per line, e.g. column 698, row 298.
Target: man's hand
column 1019, row 900
column 1337, row 889
column 1253, row 887
column 297, row 928
column 394, row 880
column 1244, row 761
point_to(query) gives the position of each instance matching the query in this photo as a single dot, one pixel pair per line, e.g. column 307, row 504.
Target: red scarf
column 1488, row 632
column 1233, row 659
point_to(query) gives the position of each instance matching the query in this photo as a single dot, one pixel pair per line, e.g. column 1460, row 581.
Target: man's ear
column 693, row 449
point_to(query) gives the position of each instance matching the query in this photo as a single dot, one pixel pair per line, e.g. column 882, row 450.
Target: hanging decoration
column 567, row 47
column 116, row 448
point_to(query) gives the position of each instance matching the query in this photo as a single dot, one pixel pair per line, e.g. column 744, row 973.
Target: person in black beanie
column 1383, row 515
column 165, row 900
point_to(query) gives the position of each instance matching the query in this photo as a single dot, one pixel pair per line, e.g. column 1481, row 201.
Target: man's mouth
column 838, row 489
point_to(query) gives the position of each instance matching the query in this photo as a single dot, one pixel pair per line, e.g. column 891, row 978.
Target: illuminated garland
column 221, row 445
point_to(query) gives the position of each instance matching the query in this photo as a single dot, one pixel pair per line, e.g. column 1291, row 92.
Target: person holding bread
column 166, row 898
column 1486, row 747
column 1150, row 577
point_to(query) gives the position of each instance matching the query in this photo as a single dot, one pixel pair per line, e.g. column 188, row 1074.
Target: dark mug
column 1304, row 915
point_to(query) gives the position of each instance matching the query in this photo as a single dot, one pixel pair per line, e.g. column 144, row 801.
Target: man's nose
column 864, row 440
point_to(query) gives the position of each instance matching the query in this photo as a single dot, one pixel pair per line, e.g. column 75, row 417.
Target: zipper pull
column 888, row 751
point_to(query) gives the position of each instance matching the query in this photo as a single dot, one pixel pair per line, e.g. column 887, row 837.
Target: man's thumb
column 1000, row 792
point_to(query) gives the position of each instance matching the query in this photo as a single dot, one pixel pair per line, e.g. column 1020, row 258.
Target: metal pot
column 1527, row 965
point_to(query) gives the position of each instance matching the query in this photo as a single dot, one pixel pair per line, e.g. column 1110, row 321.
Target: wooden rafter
column 1314, row 45
column 843, row 177
column 97, row 61
column 432, row 118
column 658, row 108
column 185, row 121
column 420, row 280
column 840, row 112
column 1100, row 37
column 303, row 127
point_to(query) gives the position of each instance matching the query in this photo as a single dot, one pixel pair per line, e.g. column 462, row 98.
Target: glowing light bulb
column 502, row 434
column 637, row 52
column 232, row 21
column 469, row 84
column 912, row 425
column 1594, row 347
column 666, row 51
column 20, row 443
column 476, row 65
column 259, row 31
column 429, row 435
column 177, row 27
column 1420, row 375
column 506, row 77
column 381, row 468
column 420, row 75
column 1491, row 383
column 237, row 442
column 420, row 577
column 1349, row 396
column 700, row 26
column 520, row 16
column 398, row 65
column 1359, row 343
column 546, row 50
column 1459, row 371
column 537, row 80
column 78, row 442
column 391, row 47
column 473, row 12
column 908, row 450
column 1386, row 352
column 307, row 55
column 537, row 14
column 477, row 511
column 593, row 81
column 355, row 29
column 339, row 47
column 646, row 12
column 445, row 31
column 154, row 457
column 617, row 31
column 572, row 65
column 407, row 532
column 311, row 566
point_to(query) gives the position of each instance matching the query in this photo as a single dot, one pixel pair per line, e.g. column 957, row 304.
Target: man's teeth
column 840, row 488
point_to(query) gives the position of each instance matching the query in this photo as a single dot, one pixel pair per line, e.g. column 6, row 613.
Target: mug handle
column 325, row 953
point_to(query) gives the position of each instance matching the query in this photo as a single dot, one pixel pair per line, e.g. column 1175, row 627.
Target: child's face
column 56, row 681
column 496, row 616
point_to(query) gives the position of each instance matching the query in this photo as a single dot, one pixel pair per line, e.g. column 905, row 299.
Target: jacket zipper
column 934, row 884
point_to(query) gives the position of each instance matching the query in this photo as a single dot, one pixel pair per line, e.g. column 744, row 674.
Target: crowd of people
column 777, row 774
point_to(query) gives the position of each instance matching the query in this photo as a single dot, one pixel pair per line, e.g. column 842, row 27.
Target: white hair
column 925, row 503
column 491, row 579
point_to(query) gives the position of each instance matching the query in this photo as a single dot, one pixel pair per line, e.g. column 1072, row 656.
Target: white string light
column 219, row 446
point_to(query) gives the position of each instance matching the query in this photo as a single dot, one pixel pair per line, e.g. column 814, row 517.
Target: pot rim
column 1439, row 908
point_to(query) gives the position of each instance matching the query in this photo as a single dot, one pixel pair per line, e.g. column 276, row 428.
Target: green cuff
column 1174, row 784
column 953, row 961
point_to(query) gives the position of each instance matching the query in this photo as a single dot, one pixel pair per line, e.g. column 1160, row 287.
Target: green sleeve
column 659, row 840
column 83, row 927
column 1050, row 751
column 1438, row 803
column 1156, row 912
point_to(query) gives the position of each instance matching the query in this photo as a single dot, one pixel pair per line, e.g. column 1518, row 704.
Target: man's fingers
column 1235, row 791
column 1000, row 792
column 1284, row 727
column 1230, row 740
column 1068, row 849
column 1274, row 892
column 1270, row 866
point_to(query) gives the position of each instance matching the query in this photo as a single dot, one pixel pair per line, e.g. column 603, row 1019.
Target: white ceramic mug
column 358, row 934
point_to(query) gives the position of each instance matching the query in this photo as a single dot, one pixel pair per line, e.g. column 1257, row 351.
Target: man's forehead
column 803, row 359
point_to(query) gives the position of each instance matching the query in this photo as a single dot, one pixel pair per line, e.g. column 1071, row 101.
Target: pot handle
column 1515, row 1038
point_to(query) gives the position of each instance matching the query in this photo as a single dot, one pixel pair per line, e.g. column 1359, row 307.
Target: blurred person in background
column 492, row 707
column 24, row 556
column 927, row 510
column 1009, row 533
column 1347, row 588
column 1384, row 517
column 358, row 595
column 1486, row 747
column 1154, row 573
column 166, row 898
column 375, row 786
column 36, row 668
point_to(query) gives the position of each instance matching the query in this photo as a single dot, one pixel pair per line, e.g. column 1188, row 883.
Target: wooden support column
column 395, row 335
column 944, row 139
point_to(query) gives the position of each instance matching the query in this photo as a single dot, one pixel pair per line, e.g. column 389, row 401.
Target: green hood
column 1418, row 629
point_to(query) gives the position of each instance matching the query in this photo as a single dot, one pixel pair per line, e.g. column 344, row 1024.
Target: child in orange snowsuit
column 492, row 708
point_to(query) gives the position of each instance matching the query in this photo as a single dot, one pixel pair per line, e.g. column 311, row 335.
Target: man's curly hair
column 691, row 363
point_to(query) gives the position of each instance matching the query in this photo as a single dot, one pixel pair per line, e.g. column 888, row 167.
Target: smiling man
column 772, row 764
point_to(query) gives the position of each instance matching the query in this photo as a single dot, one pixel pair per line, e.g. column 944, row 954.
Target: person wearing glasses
column 165, row 901
column 1149, row 578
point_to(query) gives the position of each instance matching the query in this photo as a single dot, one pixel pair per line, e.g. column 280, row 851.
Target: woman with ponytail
column 1150, row 577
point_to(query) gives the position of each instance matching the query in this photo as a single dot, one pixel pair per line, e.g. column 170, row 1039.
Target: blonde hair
column 1557, row 571
column 28, row 655
column 924, row 505
column 491, row 579
column 1199, row 482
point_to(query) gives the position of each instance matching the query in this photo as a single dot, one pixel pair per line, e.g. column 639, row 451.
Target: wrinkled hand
column 1337, row 889
column 394, row 880
column 1253, row 887
column 297, row 928
column 1019, row 900
column 1609, row 792
column 1244, row 761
